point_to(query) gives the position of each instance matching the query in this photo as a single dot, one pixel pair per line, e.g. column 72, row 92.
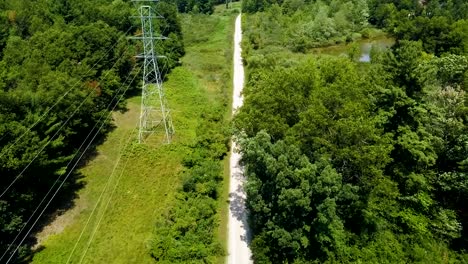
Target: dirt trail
column 239, row 235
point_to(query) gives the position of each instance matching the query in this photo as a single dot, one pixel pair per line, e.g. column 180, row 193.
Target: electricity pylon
column 154, row 109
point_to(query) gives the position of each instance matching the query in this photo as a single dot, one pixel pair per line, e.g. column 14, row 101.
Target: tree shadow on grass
column 63, row 201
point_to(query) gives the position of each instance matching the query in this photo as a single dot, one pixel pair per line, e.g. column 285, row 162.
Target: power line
column 62, row 97
column 68, row 175
column 105, row 209
column 56, row 133
column 58, row 177
column 100, row 197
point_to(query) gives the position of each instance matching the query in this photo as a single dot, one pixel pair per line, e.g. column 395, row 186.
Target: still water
column 365, row 46
column 380, row 43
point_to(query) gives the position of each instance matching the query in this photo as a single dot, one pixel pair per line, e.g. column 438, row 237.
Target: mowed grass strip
column 149, row 173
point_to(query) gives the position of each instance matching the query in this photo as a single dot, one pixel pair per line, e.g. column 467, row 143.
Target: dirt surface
column 239, row 235
column 60, row 221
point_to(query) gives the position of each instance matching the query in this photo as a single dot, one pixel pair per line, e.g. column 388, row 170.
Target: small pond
column 365, row 45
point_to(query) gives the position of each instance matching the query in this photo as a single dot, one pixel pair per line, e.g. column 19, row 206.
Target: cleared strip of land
column 150, row 172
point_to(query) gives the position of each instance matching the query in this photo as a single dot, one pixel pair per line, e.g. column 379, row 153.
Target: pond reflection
column 365, row 46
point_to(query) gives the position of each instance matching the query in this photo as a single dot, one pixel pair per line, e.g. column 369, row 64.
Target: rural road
column 239, row 236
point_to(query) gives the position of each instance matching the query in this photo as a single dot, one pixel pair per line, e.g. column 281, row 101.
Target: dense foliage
column 442, row 26
column 360, row 162
column 63, row 66
column 187, row 232
column 301, row 25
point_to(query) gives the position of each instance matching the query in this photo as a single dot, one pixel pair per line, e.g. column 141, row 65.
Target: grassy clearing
column 148, row 179
column 147, row 176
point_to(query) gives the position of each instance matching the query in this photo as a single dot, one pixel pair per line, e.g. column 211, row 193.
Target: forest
column 349, row 161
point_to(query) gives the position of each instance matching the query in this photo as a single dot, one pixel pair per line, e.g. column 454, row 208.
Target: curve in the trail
column 239, row 235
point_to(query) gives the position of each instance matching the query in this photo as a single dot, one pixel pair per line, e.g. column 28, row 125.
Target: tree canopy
column 356, row 162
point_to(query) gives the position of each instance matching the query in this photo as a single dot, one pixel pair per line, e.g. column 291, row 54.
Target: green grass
column 150, row 173
column 148, row 180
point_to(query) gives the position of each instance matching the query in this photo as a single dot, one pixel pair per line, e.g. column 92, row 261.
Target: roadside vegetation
column 188, row 232
column 351, row 162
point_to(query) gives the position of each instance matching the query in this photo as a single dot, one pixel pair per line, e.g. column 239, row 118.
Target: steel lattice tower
column 154, row 109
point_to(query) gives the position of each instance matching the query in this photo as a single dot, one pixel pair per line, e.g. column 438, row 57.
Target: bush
column 186, row 234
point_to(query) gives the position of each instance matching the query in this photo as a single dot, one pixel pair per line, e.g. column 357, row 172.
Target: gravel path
column 239, row 235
